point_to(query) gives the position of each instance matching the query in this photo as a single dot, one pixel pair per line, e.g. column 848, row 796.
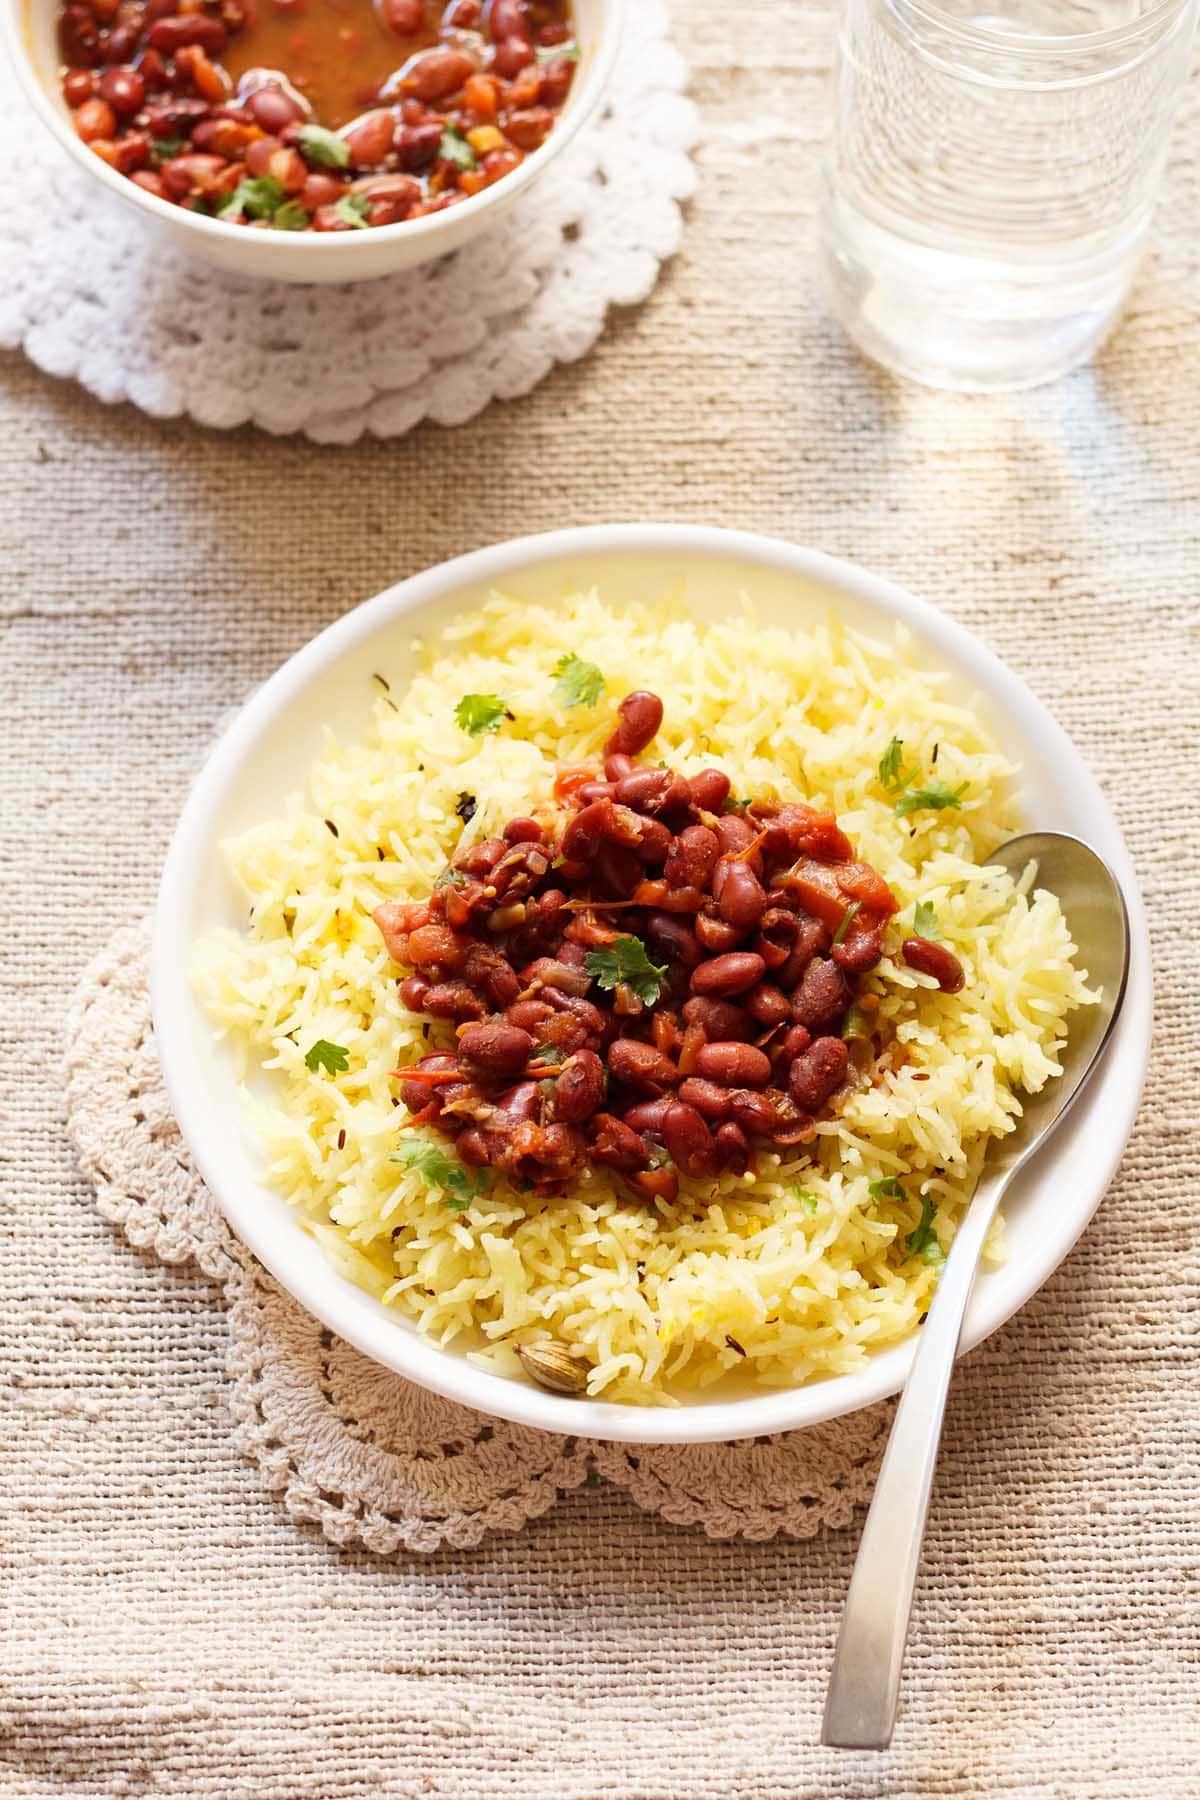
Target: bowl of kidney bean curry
column 315, row 115
column 653, row 976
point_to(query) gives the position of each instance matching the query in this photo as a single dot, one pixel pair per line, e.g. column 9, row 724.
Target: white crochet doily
column 347, row 1444
column 89, row 292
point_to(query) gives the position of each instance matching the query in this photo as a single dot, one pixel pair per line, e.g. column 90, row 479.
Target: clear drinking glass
column 992, row 178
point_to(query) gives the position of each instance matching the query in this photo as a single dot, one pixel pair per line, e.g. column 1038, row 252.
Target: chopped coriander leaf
column 256, row 197
column 548, row 53
column 477, row 713
column 891, row 766
column 351, row 209
column 925, row 923
column 923, row 1242
column 291, row 216
column 164, row 148
column 548, row 1053
column 848, row 916
column 330, row 1057
column 318, row 145
column 455, row 149
column 450, row 878
column 806, row 1198
column 887, row 1189
column 934, row 797
column 625, row 961
column 466, row 806
column 459, row 1186
column 579, row 683
column 731, row 803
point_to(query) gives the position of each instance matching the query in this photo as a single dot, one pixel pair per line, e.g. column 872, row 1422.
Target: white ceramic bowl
column 261, row 760
column 28, row 35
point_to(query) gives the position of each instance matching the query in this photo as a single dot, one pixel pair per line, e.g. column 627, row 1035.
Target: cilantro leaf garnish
column 455, row 149
column 925, row 923
column 257, row 196
column 547, row 53
column 477, row 713
column 891, row 766
column 164, row 148
column 806, row 1198
column 459, row 1186
column 848, row 916
column 319, row 145
column 450, row 878
column 934, row 797
column 548, row 1053
column 330, row 1057
column 923, row 1241
column 887, row 1189
column 351, row 209
column 625, row 961
column 579, row 683
column 291, row 216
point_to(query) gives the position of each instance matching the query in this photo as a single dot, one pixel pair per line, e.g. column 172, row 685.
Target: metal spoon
column 860, row 1708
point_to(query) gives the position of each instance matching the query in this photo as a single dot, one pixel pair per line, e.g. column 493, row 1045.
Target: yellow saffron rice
column 791, row 1273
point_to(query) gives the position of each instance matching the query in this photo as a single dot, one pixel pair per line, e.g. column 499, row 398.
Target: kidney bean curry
column 652, row 975
column 321, row 115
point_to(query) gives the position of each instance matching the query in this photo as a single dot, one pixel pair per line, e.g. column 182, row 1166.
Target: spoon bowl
column 860, row 1709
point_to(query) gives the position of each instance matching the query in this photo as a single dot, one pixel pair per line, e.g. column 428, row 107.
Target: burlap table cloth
column 168, row 1630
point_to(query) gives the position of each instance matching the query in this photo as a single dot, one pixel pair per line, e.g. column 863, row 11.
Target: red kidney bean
column 731, row 974
column 417, row 145
column 710, row 789
column 639, row 714
column 509, row 18
column 648, row 790
column 120, row 46
column 413, row 990
column 174, row 117
column 79, row 38
column 453, row 1000
column 812, row 939
column 369, row 138
column 523, row 831
column 171, row 34
column 734, row 833
column 689, row 1140
column 640, row 1065
column 530, row 1015
column 754, row 1112
column 822, row 996
column 815, row 1074
column 739, row 894
column 126, row 153
column 553, row 972
column 153, row 71
column 435, row 73
column 795, row 1043
column 512, row 55
column 587, row 831
column 517, row 1104
column 152, row 182
column 654, row 845
column 529, row 127
column 717, row 935
column 464, row 15
column 428, row 945
column 480, row 859
column 671, row 938
column 616, row 1144
column 493, row 975
column 589, row 1016
column 320, row 190
column 928, row 958
column 617, row 766
column 720, row 1020
column 94, row 119
column 274, row 109
column 859, row 950
column 692, row 857
column 557, row 76
column 78, row 85
column 733, row 1146
column 580, row 1088
column 768, row 1005
column 225, row 137
column 471, row 1147
column 402, row 17
column 709, row 1099
column 416, row 1095
column 616, row 871
column 647, row 1116
column 392, row 198
column 124, row 90
column 656, row 1184
column 734, row 1065
column 596, row 790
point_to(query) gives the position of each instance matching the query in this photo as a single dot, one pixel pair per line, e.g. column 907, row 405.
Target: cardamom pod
column 554, row 1367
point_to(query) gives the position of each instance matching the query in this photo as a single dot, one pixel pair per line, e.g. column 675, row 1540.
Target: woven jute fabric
column 169, row 1629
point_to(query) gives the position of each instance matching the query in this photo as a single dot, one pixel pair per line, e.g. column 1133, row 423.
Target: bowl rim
column 317, row 244
column 350, row 1311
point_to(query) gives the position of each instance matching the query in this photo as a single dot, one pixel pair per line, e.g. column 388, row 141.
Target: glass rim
column 1024, row 44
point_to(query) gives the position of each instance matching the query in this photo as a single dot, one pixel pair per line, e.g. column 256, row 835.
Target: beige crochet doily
column 352, row 1447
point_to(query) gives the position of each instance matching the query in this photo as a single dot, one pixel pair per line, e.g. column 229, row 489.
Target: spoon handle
column 860, row 1707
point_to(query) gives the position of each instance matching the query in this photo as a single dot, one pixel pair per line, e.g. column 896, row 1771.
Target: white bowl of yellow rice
column 756, row 1303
